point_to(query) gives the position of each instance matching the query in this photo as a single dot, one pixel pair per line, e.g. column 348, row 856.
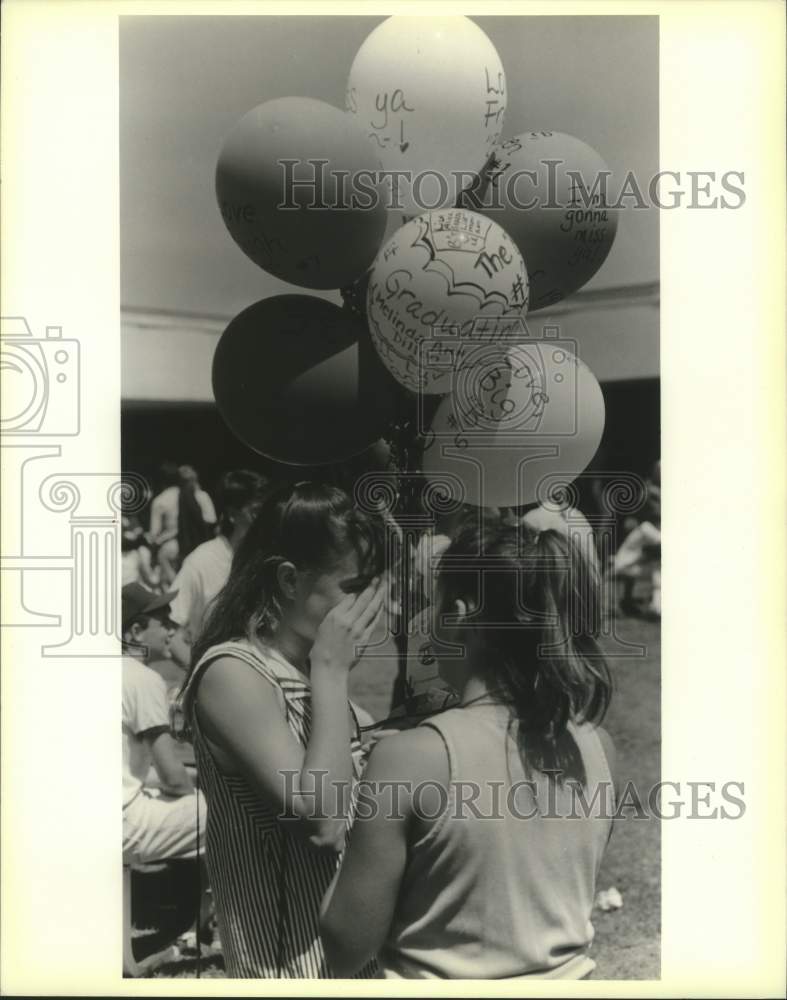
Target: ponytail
column 539, row 625
column 193, row 530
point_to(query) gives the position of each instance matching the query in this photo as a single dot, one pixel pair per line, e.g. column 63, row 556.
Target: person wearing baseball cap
column 139, row 602
column 168, row 822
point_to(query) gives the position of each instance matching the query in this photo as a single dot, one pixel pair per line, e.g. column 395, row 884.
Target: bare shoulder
column 229, row 682
column 413, row 755
column 235, row 704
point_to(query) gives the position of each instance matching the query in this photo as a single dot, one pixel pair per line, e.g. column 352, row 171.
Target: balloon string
column 403, row 434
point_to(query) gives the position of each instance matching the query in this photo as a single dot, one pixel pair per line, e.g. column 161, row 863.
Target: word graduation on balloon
column 441, row 272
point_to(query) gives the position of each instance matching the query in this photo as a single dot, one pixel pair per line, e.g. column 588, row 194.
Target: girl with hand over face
column 276, row 738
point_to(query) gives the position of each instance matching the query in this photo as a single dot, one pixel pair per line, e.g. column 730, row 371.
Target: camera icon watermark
column 54, row 578
column 40, row 381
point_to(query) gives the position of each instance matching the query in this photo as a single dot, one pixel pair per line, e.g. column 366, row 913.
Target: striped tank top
column 501, row 884
column 267, row 883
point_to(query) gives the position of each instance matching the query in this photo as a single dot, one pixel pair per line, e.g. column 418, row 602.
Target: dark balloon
column 297, row 379
column 552, row 203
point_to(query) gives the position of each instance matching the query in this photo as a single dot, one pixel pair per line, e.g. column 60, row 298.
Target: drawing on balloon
column 457, row 257
column 458, row 231
column 516, row 410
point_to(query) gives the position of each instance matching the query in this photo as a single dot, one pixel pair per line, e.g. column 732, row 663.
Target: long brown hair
column 192, row 528
column 309, row 525
column 534, row 607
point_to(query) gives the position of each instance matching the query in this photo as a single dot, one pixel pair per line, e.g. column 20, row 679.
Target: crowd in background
column 182, row 602
column 181, row 518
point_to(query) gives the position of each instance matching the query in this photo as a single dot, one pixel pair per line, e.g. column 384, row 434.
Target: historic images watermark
column 526, row 799
column 310, row 184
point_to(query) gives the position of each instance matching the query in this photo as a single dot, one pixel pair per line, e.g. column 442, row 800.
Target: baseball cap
column 138, row 600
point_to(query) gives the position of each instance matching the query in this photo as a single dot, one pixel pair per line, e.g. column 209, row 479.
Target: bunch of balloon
column 513, row 226
column 408, row 203
column 294, row 376
column 498, row 410
column 488, row 413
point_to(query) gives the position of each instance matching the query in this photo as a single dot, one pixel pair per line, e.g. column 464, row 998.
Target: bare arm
column 186, row 586
column 207, row 508
column 180, row 649
column 151, row 576
column 369, row 880
column 163, row 519
column 241, row 713
column 174, row 777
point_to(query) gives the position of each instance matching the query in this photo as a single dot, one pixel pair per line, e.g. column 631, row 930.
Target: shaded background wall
column 196, row 434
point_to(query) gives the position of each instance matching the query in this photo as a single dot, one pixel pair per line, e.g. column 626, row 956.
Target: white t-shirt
column 203, row 574
column 130, row 567
column 145, row 707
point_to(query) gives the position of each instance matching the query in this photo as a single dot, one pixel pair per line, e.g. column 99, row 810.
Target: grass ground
column 627, row 942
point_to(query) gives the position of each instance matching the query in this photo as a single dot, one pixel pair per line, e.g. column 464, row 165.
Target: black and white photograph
column 391, row 306
column 342, row 346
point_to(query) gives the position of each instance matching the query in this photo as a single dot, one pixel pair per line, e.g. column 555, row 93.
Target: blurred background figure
column 639, row 556
column 431, row 545
column 182, row 516
column 205, row 570
column 136, row 557
column 196, row 514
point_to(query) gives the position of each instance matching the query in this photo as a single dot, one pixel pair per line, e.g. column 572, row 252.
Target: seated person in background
column 163, row 530
column 639, row 555
column 157, row 824
column 137, row 560
column 206, row 569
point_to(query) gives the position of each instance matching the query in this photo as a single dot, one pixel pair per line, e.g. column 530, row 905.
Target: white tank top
column 506, row 897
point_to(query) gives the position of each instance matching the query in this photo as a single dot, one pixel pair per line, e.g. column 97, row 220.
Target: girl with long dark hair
column 483, row 865
column 277, row 741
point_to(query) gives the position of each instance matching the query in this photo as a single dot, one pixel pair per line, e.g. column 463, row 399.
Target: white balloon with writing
column 526, row 416
column 444, row 284
column 430, row 94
